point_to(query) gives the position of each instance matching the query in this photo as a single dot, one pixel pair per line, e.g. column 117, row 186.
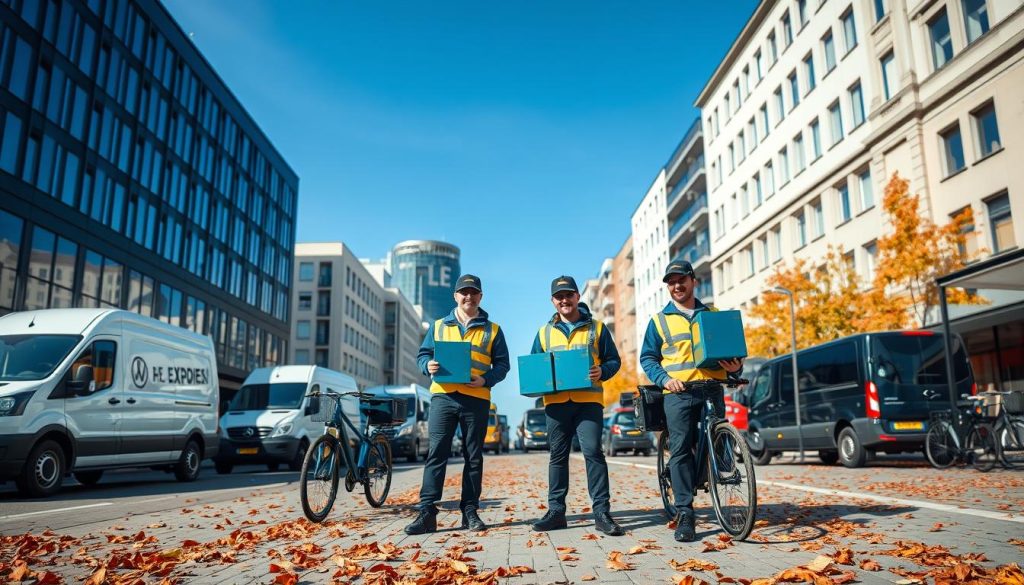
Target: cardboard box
column 717, row 335
column 455, row 362
column 536, row 374
column 572, row 370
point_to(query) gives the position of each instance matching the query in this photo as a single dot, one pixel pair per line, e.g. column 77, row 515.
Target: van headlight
column 282, row 429
column 14, row 405
column 407, row 430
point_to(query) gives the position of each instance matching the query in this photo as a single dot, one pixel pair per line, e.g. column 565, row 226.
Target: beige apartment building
column 818, row 103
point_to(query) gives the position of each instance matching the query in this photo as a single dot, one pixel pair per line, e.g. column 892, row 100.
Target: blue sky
column 523, row 132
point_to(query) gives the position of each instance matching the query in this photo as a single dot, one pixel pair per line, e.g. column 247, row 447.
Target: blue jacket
column 606, row 350
column 499, row 349
column 650, row 353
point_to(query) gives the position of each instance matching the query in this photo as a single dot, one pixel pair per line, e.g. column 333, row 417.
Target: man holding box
column 577, row 412
column 667, row 359
column 460, row 405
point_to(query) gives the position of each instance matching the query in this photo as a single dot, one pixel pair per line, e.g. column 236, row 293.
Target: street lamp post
column 796, row 378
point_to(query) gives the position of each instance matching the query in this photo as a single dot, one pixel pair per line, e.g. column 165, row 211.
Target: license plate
column 908, row 426
column 632, row 432
column 248, row 451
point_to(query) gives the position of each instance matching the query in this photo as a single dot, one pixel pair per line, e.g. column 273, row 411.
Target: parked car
column 493, row 438
column 412, row 439
column 86, row 390
column 506, row 439
column 532, row 432
column 620, row 433
column 270, row 419
column 859, row 395
column 735, row 398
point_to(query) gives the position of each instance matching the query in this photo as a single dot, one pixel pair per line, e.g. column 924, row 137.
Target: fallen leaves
column 616, row 563
column 723, row 542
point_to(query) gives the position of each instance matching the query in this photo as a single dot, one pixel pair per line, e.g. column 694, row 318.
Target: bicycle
column 724, row 465
column 942, row 444
column 1008, row 425
column 318, row 485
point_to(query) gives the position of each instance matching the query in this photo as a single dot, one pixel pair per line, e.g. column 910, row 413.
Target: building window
column 941, row 40
column 764, row 119
column 801, row 6
column 758, row 64
column 744, row 201
column 769, row 179
column 969, row 248
column 857, row 104
column 305, row 271
column 798, row 152
column 787, row 29
column 302, row 330
column 732, row 158
column 324, row 279
column 829, row 47
column 987, row 129
column 952, row 149
column 752, row 130
column 809, row 72
column 888, row 75
column 758, row 193
column 773, row 50
column 783, row 166
column 835, row 117
column 323, row 332
column 849, row 30
column 975, row 19
column 844, row 203
column 867, row 190
column 816, row 139
column 739, row 95
column 742, row 146
column 871, row 260
column 321, row 358
column 305, row 301
column 794, row 90
column 800, row 233
column 819, row 219
column 1001, row 223
column 727, row 107
column 780, row 106
column 735, row 210
column 880, row 9
column 776, row 239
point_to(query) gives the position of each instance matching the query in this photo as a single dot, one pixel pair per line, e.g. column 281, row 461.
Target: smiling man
column 463, row 406
column 577, row 412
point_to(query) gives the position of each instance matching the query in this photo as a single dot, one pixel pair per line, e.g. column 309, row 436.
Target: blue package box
column 717, row 335
column 536, row 374
column 572, row 370
column 455, row 361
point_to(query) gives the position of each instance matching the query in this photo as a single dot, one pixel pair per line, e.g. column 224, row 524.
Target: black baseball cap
column 563, row 283
column 680, row 267
column 468, row 281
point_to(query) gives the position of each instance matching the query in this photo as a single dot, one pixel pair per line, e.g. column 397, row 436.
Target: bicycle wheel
column 318, row 485
column 733, row 485
column 982, row 447
column 940, row 445
column 664, row 477
column 378, row 470
column 1011, row 443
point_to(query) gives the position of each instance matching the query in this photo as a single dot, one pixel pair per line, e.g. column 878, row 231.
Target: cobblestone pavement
column 896, row 521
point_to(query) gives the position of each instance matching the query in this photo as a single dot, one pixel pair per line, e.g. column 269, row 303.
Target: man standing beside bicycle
column 667, row 359
column 460, row 405
column 577, row 412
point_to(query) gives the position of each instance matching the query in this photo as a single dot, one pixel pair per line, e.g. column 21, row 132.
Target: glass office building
column 131, row 177
column 425, row 271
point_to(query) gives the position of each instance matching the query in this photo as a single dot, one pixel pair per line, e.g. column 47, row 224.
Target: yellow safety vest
column 552, row 339
column 482, row 340
column 677, row 349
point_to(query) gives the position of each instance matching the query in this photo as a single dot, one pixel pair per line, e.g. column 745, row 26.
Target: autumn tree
column 625, row 380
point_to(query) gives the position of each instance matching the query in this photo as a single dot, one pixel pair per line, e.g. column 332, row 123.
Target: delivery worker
column 667, row 359
column 577, row 412
column 463, row 406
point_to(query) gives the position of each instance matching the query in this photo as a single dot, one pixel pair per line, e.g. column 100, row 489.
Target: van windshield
column 536, row 420
column 33, row 357
column 269, row 396
column 916, row 359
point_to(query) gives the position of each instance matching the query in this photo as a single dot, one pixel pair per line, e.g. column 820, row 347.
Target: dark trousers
column 448, row 412
column 682, row 415
column 582, row 419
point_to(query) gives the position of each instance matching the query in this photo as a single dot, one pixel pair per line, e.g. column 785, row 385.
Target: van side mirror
column 421, row 416
column 312, row 408
column 79, row 385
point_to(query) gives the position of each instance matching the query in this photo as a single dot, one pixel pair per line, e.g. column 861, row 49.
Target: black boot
column 551, row 521
column 471, row 521
column 604, row 522
column 426, row 521
column 685, row 526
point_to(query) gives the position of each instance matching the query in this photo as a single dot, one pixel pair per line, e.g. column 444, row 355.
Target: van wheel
column 296, row 463
column 851, row 453
column 762, row 457
column 415, row 455
column 187, row 467
column 43, row 471
column 88, row 478
column 222, row 467
column 828, row 457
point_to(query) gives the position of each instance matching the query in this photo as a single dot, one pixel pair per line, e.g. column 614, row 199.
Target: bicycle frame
column 357, row 471
column 707, row 423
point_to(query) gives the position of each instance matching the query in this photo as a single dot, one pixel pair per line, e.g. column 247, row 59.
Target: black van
column 861, row 394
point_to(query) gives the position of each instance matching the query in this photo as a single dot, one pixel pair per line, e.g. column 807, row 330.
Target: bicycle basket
column 384, row 411
column 1014, row 402
column 649, row 407
column 326, row 412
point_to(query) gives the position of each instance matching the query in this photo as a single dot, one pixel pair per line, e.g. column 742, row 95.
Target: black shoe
column 426, row 521
column 471, row 521
column 604, row 522
column 551, row 521
column 685, row 529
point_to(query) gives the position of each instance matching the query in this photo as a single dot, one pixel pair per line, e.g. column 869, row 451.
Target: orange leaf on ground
column 615, row 562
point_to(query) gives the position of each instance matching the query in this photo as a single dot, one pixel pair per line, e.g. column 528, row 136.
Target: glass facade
column 425, row 271
column 130, row 177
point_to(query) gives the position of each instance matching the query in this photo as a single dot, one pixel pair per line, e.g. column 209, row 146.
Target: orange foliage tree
column 625, row 380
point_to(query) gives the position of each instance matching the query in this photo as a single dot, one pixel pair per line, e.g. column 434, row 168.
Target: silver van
column 412, row 439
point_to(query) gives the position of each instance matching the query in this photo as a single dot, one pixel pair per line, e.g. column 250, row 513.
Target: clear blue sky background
column 523, row 132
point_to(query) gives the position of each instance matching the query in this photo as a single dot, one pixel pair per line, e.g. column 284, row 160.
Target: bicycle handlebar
column 729, row 383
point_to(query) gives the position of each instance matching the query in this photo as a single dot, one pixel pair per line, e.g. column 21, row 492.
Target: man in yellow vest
column 577, row 412
column 667, row 359
column 465, row 406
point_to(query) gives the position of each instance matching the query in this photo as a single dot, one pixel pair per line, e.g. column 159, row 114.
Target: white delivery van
column 85, row 390
column 270, row 419
column 412, row 439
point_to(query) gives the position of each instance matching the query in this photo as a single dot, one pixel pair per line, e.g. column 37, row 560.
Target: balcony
column 698, row 206
column 683, row 146
column 696, row 251
column 696, row 167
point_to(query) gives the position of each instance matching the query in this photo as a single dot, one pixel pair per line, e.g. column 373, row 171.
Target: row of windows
column 942, row 43
column 985, row 130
